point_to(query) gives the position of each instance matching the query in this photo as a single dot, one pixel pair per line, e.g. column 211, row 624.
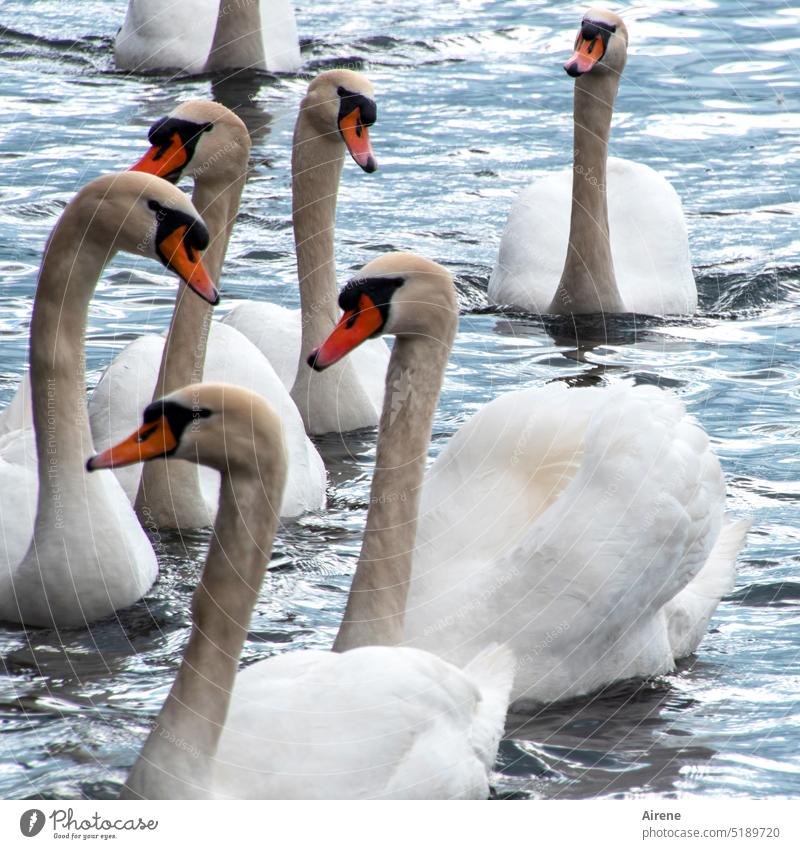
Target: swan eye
column 145, row 433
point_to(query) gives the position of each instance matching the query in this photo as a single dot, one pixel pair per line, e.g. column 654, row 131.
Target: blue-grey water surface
column 473, row 103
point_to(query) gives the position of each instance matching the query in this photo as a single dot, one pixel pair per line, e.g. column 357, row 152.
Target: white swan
column 71, row 550
column 619, row 242
column 209, row 142
column 335, row 115
column 583, row 528
column 377, row 722
column 197, row 36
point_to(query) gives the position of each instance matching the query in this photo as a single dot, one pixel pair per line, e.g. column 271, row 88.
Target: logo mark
column 31, row 822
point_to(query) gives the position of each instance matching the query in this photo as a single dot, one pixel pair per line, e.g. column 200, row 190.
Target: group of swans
column 202, row 36
column 377, row 721
column 562, row 540
column 258, row 345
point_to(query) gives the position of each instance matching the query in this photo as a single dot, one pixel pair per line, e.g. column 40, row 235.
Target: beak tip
column 572, row 69
column 371, row 165
column 90, row 464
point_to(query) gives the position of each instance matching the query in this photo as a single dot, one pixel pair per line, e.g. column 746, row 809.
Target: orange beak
column 355, row 327
column 588, row 52
column 154, row 439
column 181, row 259
column 164, row 162
column 356, row 137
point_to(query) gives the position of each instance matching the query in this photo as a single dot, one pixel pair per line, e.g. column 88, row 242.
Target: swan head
column 600, row 46
column 141, row 214
column 228, row 428
column 200, row 138
column 340, row 106
column 398, row 293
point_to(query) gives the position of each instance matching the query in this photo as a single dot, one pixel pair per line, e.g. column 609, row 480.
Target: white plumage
column 349, row 403
column 127, row 387
column 371, row 723
column 647, row 231
column 573, row 525
column 179, row 34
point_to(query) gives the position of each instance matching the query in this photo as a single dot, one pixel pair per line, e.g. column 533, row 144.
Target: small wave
column 780, row 594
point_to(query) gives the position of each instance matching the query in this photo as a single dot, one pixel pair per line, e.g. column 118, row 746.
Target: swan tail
column 689, row 612
column 492, row 672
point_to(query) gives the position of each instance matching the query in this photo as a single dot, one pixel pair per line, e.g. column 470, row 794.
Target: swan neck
column 237, row 41
column 183, row 359
column 176, row 759
column 588, row 282
column 317, row 163
column 377, row 601
column 72, row 264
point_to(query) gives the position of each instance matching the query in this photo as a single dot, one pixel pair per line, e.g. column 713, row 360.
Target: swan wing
column 275, row 331
column 374, row 722
column 560, row 521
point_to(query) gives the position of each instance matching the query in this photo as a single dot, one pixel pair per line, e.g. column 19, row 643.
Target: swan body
column 198, row 36
column 182, row 495
column 352, row 402
column 607, row 235
column 647, row 231
column 374, row 722
column 73, row 550
column 583, row 527
column 129, row 383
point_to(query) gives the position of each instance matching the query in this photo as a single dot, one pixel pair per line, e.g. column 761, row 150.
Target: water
column 472, row 104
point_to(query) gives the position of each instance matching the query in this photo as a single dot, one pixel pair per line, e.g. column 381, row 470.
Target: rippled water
column 472, row 103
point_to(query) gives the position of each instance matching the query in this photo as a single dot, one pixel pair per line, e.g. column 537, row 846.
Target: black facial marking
column 178, row 418
column 379, row 290
column 161, row 133
column 350, row 100
column 591, row 29
column 168, row 220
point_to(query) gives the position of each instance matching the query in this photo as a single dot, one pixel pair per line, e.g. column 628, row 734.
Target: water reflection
column 618, row 742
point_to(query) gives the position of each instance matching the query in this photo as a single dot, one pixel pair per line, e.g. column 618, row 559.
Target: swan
column 335, row 115
column 621, row 245
column 72, row 550
column 199, row 36
column 216, row 148
column 583, row 528
column 376, row 722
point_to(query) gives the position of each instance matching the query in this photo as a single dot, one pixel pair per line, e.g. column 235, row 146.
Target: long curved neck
column 177, row 758
column 72, row 264
column 237, row 41
column 588, row 283
column 316, row 169
column 184, row 355
column 377, row 601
